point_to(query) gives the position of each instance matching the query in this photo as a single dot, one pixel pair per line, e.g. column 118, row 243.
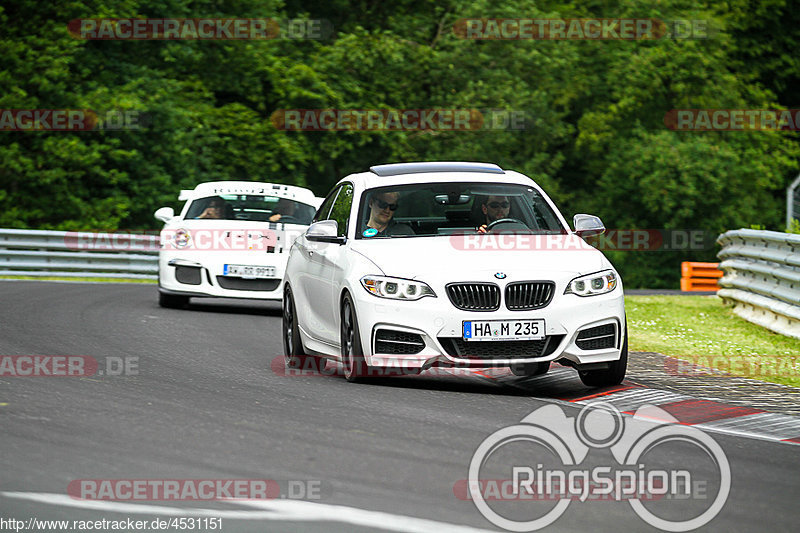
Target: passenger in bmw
column 381, row 216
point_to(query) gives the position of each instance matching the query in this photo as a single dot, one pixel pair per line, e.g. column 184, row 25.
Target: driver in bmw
column 494, row 208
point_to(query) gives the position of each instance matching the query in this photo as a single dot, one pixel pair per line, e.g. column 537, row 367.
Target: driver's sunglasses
column 384, row 205
column 497, row 205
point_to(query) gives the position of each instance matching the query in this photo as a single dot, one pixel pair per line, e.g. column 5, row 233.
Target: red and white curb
column 708, row 415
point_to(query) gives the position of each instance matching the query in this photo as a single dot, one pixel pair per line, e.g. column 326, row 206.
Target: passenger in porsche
column 214, row 209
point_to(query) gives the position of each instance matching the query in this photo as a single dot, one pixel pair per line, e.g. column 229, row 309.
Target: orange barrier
column 699, row 276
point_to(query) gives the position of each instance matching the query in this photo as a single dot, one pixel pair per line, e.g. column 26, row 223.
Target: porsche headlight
column 396, row 288
column 593, row 284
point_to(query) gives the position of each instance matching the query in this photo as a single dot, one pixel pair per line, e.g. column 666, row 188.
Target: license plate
column 245, row 271
column 504, row 330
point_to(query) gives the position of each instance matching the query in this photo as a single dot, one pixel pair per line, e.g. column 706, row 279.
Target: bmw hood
column 477, row 257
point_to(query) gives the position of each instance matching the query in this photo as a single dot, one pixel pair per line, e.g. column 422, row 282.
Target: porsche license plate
column 249, row 271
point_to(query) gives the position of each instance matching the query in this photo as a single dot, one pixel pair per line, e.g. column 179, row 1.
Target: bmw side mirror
column 325, row 231
column 588, row 225
column 164, row 214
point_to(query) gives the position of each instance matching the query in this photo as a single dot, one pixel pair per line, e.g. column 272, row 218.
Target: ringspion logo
column 518, row 471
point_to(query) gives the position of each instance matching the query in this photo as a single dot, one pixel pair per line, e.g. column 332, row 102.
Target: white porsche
column 415, row 265
column 230, row 240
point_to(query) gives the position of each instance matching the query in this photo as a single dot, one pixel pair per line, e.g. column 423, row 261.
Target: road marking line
column 121, row 507
column 279, row 510
column 312, row 511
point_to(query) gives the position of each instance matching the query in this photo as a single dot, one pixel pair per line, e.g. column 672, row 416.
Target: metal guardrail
column 762, row 277
column 78, row 254
column 793, row 202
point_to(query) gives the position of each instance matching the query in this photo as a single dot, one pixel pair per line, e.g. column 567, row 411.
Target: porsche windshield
column 256, row 207
column 447, row 208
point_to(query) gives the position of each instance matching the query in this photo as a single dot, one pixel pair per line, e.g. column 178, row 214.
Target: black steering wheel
column 504, row 221
column 286, row 219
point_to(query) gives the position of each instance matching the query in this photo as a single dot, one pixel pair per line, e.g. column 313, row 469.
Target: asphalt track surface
column 208, row 402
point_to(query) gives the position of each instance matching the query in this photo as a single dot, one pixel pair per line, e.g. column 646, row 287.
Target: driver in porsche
column 284, row 208
column 494, row 208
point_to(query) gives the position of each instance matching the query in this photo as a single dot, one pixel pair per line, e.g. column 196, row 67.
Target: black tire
column 530, row 369
column 615, row 372
column 172, row 301
column 355, row 366
column 295, row 354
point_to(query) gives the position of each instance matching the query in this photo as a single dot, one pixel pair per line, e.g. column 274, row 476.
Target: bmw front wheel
column 615, row 372
column 296, row 356
column 355, row 366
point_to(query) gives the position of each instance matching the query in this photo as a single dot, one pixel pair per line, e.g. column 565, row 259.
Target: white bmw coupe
column 416, row 265
column 230, row 240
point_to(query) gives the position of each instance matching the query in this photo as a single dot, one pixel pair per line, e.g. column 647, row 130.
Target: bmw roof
column 433, row 172
column 396, row 169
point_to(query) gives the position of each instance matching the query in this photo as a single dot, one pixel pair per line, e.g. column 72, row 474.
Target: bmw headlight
column 593, row 284
column 396, row 288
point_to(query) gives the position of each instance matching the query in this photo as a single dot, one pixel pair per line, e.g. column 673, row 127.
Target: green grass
column 693, row 328
column 65, row 278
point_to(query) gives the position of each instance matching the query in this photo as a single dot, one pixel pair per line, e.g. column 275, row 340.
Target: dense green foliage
column 595, row 136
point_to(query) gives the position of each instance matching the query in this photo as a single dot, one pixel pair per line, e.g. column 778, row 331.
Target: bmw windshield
column 430, row 209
